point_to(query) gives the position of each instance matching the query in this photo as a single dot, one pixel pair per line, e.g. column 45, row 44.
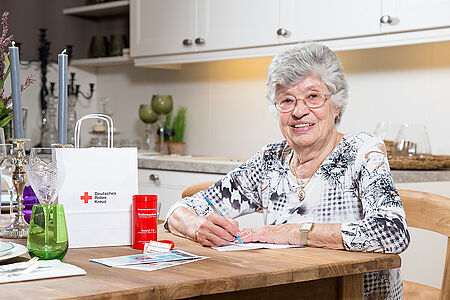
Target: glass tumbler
column 47, row 237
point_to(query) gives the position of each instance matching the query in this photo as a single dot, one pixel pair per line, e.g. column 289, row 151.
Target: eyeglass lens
column 312, row 100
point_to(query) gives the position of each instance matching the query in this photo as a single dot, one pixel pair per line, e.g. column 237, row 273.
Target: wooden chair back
column 431, row 212
column 195, row 188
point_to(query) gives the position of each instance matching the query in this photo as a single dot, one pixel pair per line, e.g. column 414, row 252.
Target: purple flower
column 5, row 41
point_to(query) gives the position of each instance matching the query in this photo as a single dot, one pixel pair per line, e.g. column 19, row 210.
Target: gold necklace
column 302, row 193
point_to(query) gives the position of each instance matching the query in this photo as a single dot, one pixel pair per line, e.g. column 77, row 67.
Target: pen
column 220, row 214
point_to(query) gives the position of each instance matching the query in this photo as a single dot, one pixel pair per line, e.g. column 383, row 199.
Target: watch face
column 307, row 226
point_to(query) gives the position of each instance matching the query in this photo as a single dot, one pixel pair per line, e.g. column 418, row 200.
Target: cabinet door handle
column 187, row 42
column 200, row 41
column 153, row 177
column 282, row 32
column 386, row 19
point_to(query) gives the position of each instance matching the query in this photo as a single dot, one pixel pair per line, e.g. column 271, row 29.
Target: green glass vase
column 47, row 237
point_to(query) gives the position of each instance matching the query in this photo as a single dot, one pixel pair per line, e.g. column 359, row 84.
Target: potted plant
column 175, row 131
column 6, row 113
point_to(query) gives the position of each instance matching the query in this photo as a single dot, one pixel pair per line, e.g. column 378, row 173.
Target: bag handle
column 106, row 118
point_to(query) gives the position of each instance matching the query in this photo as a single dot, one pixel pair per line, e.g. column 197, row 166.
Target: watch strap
column 304, row 230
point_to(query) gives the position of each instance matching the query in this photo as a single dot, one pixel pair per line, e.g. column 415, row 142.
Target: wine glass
column 388, row 131
column 162, row 105
column 149, row 117
column 45, row 174
column 47, row 237
column 412, row 140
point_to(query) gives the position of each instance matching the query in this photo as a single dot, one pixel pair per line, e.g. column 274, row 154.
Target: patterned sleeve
column 238, row 193
column 383, row 228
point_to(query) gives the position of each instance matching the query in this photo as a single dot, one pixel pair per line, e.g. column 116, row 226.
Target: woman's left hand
column 273, row 234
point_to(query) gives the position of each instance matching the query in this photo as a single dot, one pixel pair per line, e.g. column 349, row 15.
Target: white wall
column 227, row 105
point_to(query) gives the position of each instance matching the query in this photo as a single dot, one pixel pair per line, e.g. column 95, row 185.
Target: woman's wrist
column 294, row 235
column 326, row 236
column 184, row 223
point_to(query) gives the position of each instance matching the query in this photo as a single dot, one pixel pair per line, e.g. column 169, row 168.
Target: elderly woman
column 318, row 187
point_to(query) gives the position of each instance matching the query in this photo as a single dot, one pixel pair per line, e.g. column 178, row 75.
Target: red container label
column 144, row 220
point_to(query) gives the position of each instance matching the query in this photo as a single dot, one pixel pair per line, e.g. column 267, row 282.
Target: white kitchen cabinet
column 161, row 27
column 405, row 15
column 237, row 24
column 165, row 27
column 170, row 32
column 168, row 185
column 324, row 19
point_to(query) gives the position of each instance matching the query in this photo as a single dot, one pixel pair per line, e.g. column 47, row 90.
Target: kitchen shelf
column 102, row 61
column 99, row 10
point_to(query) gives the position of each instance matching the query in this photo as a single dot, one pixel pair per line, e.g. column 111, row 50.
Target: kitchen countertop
column 222, row 165
column 202, row 164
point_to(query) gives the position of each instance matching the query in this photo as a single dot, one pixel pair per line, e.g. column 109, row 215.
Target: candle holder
column 19, row 228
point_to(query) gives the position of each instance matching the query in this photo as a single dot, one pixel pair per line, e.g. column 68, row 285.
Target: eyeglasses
column 313, row 100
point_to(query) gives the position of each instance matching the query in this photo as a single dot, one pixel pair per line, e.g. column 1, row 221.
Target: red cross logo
column 86, row 197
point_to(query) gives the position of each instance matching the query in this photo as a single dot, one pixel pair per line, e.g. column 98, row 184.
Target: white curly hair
column 301, row 60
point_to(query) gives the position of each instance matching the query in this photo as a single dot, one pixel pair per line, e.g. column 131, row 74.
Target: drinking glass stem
column 46, row 216
column 161, row 132
column 11, row 202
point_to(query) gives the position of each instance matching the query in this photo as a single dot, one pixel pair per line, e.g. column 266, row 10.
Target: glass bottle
column 50, row 134
column 71, row 119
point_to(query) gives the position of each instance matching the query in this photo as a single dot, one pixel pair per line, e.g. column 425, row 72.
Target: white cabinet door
column 168, row 185
column 404, row 15
column 162, row 27
column 234, row 24
column 325, row 19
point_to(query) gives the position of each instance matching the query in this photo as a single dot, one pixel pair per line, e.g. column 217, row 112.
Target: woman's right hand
column 216, row 231
column 212, row 230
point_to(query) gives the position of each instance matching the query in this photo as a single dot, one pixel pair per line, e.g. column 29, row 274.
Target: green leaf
column 5, row 121
column 5, row 112
column 179, row 124
column 2, row 80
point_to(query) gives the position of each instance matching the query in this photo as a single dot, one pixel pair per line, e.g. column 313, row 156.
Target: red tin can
column 144, row 220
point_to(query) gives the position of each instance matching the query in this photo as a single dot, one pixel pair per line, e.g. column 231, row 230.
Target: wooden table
column 295, row 273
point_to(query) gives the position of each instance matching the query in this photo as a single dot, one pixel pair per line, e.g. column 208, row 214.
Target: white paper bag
column 97, row 192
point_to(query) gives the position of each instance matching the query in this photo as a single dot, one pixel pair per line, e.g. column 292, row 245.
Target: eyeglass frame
column 326, row 96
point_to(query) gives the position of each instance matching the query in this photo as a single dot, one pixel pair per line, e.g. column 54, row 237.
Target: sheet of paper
column 47, row 269
column 252, row 246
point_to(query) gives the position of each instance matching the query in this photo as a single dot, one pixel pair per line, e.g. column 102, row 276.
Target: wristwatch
column 306, row 227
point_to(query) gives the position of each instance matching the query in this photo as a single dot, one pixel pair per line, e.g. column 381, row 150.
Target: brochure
column 149, row 261
column 160, row 265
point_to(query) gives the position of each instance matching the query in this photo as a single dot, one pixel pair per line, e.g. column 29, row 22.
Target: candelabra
column 73, row 93
column 19, row 228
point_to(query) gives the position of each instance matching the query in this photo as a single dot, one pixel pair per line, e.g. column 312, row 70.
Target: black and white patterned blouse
column 353, row 186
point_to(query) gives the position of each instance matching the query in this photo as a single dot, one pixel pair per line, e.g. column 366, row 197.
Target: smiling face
column 304, row 128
